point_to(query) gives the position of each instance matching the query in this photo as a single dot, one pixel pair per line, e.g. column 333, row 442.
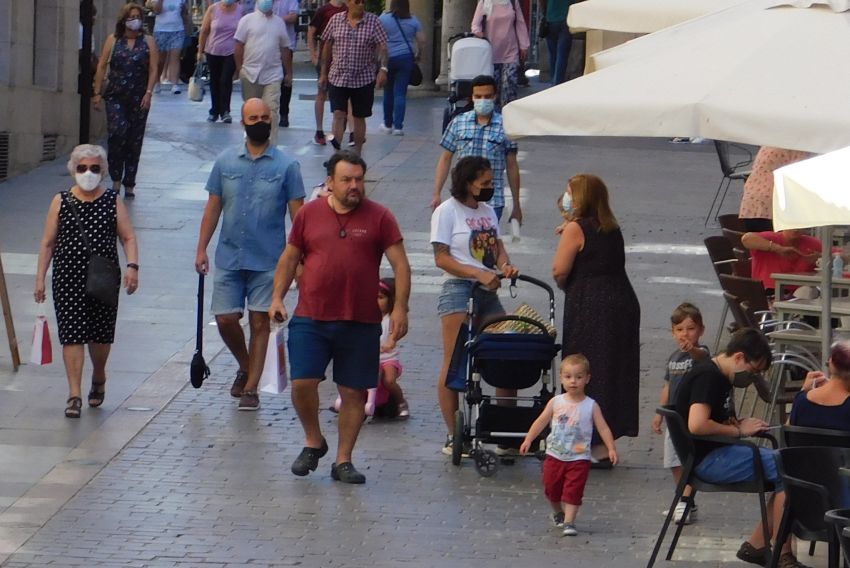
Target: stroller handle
column 524, row 278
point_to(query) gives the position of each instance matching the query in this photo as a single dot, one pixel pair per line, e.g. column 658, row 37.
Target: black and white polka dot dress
column 83, row 319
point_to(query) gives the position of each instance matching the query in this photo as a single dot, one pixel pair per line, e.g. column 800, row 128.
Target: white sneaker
column 385, row 129
column 680, row 510
column 398, row 132
column 569, row 530
column 157, row 88
column 175, row 89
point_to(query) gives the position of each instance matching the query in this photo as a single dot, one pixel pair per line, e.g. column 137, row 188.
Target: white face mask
column 87, row 181
column 134, row 24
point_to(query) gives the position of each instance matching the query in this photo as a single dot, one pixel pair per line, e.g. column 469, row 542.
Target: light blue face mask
column 484, row 107
column 228, row 2
column 567, row 203
column 265, row 5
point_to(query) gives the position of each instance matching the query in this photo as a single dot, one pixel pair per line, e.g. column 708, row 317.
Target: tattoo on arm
column 440, row 248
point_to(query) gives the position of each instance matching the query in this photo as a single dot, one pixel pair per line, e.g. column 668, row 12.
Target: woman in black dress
column 81, row 318
column 601, row 310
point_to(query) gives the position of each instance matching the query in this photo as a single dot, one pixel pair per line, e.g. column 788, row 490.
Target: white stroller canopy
column 471, row 57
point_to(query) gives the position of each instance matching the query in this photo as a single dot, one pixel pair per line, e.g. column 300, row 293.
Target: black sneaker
column 284, row 122
column 351, row 139
column 558, row 520
column 346, row 473
column 751, row 554
column 335, row 144
column 308, row 459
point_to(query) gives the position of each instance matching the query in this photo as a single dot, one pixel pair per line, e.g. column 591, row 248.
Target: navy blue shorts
column 354, row 347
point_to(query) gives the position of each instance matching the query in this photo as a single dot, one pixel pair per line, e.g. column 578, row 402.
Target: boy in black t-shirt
column 702, row 401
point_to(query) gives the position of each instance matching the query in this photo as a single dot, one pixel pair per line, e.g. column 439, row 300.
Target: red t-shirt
column 323, row 14
column 340, row 278
column 766, row 263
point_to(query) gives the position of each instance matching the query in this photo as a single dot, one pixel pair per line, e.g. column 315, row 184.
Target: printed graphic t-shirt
column 572, row 429
column 472, row 234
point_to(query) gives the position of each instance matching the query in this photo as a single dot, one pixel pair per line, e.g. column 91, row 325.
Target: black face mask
column 486, row 194
column 258, row 132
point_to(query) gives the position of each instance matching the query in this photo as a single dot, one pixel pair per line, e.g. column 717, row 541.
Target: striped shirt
column 353, row 59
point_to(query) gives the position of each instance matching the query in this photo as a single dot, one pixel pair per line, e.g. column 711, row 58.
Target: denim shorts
column 232, row 287
column 455, row 296
column 354, row 347
column 169, row 41
column 734, row 464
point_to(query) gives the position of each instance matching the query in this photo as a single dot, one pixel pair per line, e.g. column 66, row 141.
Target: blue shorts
column 455, row 296
column 354, row 347
column 232, row 287
column 734, row 464
column 169, row 41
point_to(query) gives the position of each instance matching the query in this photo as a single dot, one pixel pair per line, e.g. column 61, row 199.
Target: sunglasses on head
column 82, row 168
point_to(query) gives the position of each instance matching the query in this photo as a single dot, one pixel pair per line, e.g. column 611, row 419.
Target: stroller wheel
column 486, row 463
column 457, row 439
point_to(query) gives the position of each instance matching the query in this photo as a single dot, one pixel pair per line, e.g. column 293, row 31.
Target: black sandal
column 96, row 397
column 74, row 407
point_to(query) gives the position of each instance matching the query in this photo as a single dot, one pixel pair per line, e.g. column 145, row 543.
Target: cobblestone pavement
column 204, row 485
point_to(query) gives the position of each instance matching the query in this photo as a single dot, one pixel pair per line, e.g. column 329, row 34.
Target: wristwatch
column 132, row 265
column 384, row 69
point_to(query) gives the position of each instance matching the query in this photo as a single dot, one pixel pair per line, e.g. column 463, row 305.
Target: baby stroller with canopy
column 509, row 360
column 469, row 57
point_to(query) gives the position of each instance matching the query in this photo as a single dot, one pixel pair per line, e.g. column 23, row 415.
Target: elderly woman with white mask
column 502, row 24
column 81, row 222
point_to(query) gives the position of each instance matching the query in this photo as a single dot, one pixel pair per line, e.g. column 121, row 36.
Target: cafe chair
column 802, row 436
column 731, row 172
column 732, row 221
column 722, row 260
column 683, row 442
column 813, row 486
column 839, row 520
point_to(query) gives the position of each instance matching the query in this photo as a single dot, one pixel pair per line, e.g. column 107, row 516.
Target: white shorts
column 671, row 459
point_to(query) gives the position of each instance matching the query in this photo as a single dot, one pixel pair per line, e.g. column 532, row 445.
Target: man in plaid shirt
column 480, row 132
column 354, row 43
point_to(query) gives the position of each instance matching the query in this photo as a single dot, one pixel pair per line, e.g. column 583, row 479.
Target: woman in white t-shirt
column 468, row 247
column 170, row 29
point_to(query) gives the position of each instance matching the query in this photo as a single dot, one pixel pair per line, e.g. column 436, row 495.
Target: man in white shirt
column 262, row 46
column 288, row 12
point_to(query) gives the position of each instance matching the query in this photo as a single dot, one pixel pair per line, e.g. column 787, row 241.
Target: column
column 457, row 18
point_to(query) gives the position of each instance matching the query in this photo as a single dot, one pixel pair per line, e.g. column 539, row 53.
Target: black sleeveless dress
column 83, row 319
column 602, row 321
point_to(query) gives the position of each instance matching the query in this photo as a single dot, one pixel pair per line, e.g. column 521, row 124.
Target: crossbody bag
column 103, row 276
column 416, row 72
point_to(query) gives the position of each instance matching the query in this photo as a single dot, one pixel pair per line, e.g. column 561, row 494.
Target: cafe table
column 784, row 279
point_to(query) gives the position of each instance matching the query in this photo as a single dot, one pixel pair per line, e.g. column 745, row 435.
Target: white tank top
column 572, row 429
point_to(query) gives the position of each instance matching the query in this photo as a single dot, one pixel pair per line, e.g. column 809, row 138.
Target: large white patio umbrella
column 642, row 17
column 815, row 193
column 756, row 73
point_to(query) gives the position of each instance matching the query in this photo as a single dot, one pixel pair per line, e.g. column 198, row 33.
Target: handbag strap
column 404, row 37
column 79, row 224
column 199, row 336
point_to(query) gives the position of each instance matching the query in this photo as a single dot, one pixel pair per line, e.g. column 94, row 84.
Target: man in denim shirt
column 250, row 188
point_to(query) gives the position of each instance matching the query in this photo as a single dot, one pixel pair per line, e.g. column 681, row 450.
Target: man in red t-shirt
column 341, row 240
column 783, row 252
column 314, row 42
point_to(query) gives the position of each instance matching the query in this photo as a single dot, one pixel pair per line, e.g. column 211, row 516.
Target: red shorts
column 563, row 482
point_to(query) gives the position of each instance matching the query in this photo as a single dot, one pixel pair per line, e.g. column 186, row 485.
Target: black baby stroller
column 512, row 360
column 469, row 57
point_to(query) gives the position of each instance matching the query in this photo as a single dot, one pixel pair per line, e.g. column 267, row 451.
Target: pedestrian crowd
column 346, row 313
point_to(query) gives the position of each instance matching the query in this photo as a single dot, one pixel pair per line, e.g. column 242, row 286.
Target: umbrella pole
column 826, row 295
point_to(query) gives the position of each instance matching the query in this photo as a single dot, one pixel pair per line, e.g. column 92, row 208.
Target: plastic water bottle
column 514, row 231
column 837, row 265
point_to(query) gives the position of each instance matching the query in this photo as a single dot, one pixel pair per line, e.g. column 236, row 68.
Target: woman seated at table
column 825, row 402
column 783, row 251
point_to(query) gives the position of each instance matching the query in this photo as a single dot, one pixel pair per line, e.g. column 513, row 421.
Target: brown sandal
column 74, row 407
column 96, row 397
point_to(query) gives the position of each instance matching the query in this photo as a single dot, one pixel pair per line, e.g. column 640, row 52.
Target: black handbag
column 103, row 277
column 416, row 72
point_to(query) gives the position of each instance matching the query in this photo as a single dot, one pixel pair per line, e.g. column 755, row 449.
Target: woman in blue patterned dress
column 130, row 59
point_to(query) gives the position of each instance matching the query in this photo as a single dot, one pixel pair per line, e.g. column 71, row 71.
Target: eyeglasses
column 82, row 168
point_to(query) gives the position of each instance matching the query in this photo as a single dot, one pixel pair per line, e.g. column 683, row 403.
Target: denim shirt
column 254, row 196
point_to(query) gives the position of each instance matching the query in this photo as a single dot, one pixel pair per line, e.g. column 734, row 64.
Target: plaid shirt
column 465, row 137
column 353, row 60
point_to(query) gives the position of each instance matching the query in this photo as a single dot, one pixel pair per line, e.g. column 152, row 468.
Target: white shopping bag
column 42, row 348
column 196, row 84
column 274, row 377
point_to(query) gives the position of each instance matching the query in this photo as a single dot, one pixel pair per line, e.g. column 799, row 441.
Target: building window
column 5, row 42
column 47, row 40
